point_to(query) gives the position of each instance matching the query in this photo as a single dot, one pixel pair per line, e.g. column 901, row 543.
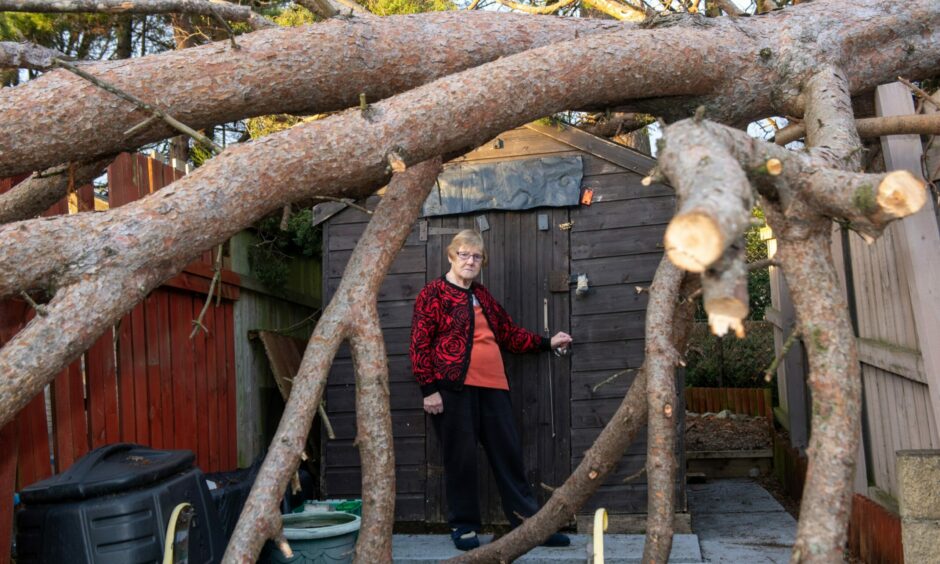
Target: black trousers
column 481, row 415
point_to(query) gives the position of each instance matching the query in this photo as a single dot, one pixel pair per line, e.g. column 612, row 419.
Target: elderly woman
column 457, row 332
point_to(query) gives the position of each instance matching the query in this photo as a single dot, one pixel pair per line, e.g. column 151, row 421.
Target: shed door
column 523, row 258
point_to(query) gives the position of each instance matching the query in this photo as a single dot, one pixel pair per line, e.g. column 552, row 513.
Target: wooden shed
column 536, row 257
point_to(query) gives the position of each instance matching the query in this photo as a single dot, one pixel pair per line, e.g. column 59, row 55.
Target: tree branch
column 624, row 11
column 208, row 8
column 725, row 292
column 531, row 9
column 715, row 196
column 919, row 124
column 348, row 315
column 86, row 123
column 829, row 121
column 660, row 362
column 37, row 193
column 27, row 56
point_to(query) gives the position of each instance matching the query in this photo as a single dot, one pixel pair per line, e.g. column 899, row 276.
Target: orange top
column 486, row 363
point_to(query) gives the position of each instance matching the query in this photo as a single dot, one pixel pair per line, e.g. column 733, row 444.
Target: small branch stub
column 396, row 162
column 667, row 411
column 774, row 167
column 693, row 241
column 901, row 193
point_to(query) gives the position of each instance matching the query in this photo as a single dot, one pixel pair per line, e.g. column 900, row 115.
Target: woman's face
column 466, row 262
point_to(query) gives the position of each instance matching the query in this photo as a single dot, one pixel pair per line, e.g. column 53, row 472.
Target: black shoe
column 465, row 539
column 557, row 540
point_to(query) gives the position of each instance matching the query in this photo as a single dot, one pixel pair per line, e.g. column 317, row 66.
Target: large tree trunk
column 313, row 69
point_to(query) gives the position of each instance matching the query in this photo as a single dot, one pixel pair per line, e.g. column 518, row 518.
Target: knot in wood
column 667, row 411
column 592, row 475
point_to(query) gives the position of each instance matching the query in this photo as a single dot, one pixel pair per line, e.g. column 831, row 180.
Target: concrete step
column 618, row 549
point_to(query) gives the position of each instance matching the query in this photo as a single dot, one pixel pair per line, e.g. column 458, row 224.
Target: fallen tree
column 804, row 61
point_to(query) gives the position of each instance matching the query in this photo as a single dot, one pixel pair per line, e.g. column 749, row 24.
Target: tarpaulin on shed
column 506, row 185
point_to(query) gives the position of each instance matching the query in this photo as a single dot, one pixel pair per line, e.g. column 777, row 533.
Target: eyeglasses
column 464, row 256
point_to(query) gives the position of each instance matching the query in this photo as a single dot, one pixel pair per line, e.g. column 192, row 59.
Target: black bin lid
column 107, row 470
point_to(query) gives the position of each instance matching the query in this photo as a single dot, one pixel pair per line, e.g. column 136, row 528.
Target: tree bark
column 661, row 360
column 209, row 8
column 27, row 56
column 37, row 193
column 311, row 69
column 351, row 313
column 296, row 70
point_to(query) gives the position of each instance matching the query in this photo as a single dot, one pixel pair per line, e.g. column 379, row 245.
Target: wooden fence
column 745, row 401
column 144, row 381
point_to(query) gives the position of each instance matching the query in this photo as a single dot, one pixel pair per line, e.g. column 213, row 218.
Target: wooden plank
column 232, row 415
column 920, row 235
column 221, row 367
column 609, row 299
column 628, row 213
column 608, row 327
column 616, row 242
column 154, row 405
column 9, row 445
column 34, row 460
column 164, row 329
column 102, row 391
column 897, row 360
column 559, row 452
column 184, row 407
column 138, row 325
column 434, row 465
column 636, row 269
column 200, row 285
column 405, row 423
column 395, row 287
column 622, row 156
column 203, row 452
column 125, row 380
column 606, row 356
column 408, row 260
column 214, row 380
column 71, row 431
column 345, row 237
column 342, row 399
column 623, row 186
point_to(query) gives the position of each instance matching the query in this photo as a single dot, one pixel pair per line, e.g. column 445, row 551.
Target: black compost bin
column 114, row 505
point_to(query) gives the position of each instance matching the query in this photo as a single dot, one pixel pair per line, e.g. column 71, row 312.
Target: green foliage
column 758, row 281
column 396, row 7
column 76, row 35
column 270, row 258
column 736, row 363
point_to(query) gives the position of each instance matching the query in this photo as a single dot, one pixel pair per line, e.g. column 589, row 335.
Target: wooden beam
column 919, row 239
column 890, row 358
column 617, row 154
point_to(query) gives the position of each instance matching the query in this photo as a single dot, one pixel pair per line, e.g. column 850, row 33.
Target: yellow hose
column 171, row 532
column 600, row 525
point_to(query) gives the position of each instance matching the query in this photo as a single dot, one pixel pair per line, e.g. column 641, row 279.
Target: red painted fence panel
column 143, row 381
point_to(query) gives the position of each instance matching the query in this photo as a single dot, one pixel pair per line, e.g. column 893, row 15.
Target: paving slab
column 618, row 549
column 730, row 496
column 739, row 521
column 721, row 552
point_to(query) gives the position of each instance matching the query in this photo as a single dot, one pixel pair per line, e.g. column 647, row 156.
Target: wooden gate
column 144, row 381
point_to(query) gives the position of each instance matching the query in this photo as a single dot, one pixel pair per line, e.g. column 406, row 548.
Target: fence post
column 919, row 501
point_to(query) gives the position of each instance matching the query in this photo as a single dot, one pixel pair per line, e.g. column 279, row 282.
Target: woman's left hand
column 561, row 340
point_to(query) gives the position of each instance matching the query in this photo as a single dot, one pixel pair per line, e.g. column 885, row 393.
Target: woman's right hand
column 434, row 404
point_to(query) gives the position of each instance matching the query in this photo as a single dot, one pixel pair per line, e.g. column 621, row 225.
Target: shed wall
column 616, row 241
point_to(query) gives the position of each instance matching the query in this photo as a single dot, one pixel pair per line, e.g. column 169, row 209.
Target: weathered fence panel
column 744, row 401
column 144, row 380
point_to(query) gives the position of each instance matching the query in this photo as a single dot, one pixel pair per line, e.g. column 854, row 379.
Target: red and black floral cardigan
column 442, row 333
